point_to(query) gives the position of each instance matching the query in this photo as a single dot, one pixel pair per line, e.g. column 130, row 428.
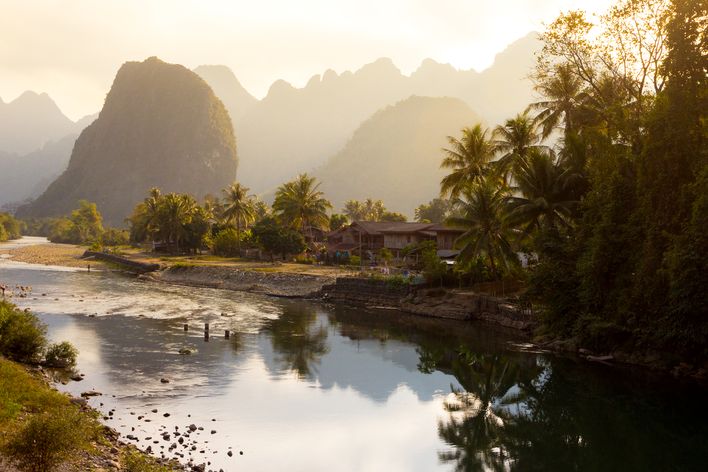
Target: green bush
column 226, row 243
column 355, row 260
column 48, row 438
column 61, row 355
column 10, row 228
column 22, row 335
column 115, row 237
column 133, row 461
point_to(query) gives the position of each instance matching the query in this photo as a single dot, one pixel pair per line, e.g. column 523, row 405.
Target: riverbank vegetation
column 593, row 198
column 84, row 226
column 10, row 227
column 603, row 181
column 40, row 428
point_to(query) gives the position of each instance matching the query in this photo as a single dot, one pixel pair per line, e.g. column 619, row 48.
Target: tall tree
column 545, row 193
column 514, row 139
column 435, row 211
column 300, row 204
column 487, row 234
column 468, row 159
column 239, row 209
column 563, row 95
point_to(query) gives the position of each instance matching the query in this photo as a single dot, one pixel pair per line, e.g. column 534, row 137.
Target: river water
column 303, row 386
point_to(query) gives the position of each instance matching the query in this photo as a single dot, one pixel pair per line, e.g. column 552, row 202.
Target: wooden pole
column 226, row 334
column 206, row 331
column 186, row 327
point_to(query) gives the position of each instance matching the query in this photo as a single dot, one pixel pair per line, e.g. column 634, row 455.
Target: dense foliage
column 275, row 238
column 10, row 227
column 604, row 180
column 370, row 210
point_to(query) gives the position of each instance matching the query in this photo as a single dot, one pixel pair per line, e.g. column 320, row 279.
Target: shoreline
column 49, row 254
column 314, row 283
column 108, row 452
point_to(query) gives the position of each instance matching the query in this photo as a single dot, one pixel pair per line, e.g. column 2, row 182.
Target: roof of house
column 440, row 228
column 378, row 228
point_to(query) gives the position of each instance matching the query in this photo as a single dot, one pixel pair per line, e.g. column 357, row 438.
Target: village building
column 369, row 237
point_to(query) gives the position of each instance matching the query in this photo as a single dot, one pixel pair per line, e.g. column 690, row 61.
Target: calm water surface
column 309, row 387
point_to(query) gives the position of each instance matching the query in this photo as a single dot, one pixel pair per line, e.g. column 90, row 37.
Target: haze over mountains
column 36, row 139
column 161, row 126
column 318, row 128
column 297, row 129
column 395, row 154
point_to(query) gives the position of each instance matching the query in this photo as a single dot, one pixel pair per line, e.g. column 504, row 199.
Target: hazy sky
column 72, row 49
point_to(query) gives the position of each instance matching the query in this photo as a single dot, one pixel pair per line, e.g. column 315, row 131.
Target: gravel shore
column 66, row 255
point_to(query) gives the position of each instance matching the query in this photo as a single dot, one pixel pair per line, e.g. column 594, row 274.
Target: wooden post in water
column 186, row 327
column 226, row 334
column 206, row 331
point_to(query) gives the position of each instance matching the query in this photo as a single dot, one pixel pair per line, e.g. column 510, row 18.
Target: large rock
column 161, row 126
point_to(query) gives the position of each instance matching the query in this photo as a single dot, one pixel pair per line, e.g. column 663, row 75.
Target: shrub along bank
column 41, row 428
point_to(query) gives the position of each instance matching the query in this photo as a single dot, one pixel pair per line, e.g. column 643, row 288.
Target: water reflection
column 300, row 344
column 303, row 386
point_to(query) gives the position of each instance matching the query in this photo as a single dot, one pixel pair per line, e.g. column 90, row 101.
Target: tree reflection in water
column 298, row 342
column 479, row 413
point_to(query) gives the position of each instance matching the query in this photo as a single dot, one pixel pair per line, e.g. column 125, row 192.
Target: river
column 304, row 386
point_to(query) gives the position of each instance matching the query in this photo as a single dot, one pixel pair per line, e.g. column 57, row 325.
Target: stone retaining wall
column 432, row 302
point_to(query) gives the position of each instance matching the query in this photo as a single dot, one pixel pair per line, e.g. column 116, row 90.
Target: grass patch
column 20, row 392
column 134, row 461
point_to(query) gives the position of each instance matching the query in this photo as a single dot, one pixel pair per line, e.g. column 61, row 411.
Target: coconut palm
column 477, row 413
column 514, row 139
column 482, row 206
column 175, row 211
column 300, row 204
column 373, row 209
column 238, row 210
column 564, row 94
column 468, row 158
column 545, row 193
column 354, row 210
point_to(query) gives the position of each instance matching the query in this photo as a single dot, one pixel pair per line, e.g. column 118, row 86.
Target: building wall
column 399, row 241
column 446, row 240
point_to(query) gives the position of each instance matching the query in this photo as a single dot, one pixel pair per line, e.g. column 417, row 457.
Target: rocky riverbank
column 428, row 302
column 274, row 283
column 107, row 451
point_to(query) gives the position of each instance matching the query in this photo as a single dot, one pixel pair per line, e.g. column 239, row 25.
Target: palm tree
column 175, row 212
column 514, row 139
column 238, row 209
column 545, row 194
column 468, row 158
column 354, row 210
column 373, row 209
column 477, row 414
column 564, row 94
column 301, row 205
column 482, row 207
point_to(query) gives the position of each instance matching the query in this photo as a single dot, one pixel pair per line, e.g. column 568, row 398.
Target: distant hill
column 29, row 175
column 295, row 129
column 31, row 121
column 161, row 125
column 226, row 86
column 395, row 155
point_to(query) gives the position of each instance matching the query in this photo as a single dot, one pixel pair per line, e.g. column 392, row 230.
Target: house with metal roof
column 372, row 236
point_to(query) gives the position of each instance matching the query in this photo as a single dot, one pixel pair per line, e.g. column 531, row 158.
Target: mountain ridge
column 161, row 125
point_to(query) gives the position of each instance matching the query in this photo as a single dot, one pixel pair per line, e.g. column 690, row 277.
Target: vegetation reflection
column 299, row 343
